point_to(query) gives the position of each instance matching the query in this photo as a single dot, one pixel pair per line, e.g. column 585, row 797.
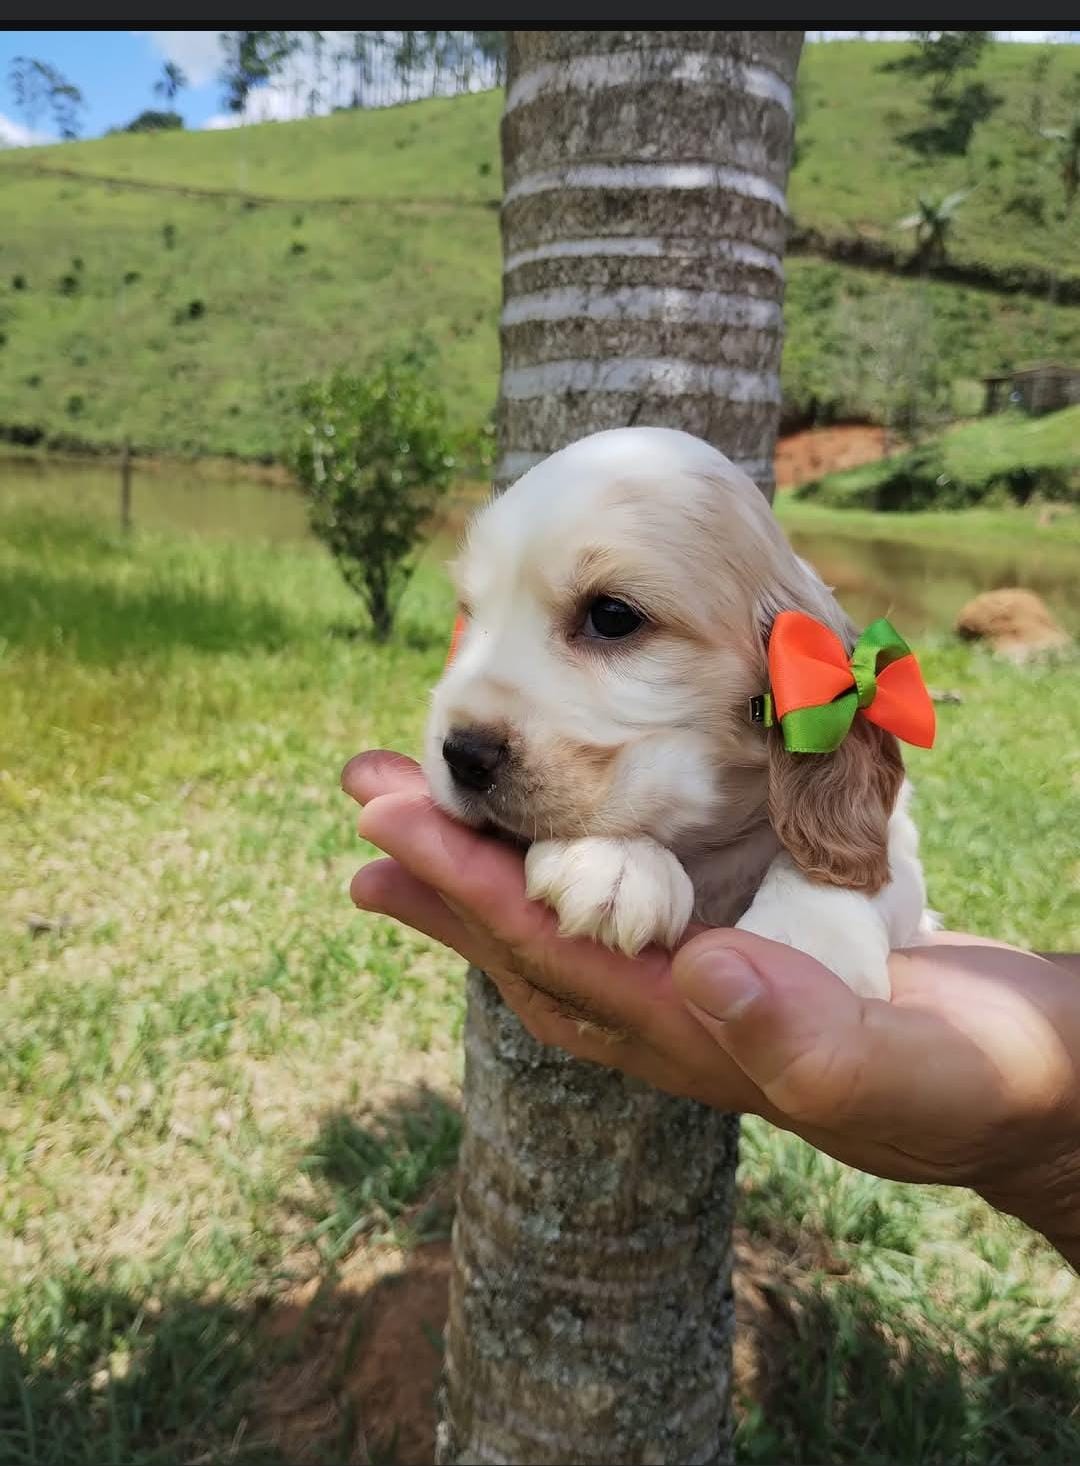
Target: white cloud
column 304, row 86
column 197, row 53
column 14, row 135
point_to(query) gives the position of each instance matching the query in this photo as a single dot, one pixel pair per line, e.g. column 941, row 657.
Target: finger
column 819, row 1053
column 473, row 871
column 581, row 982
column 484, row 881
column 380, row 771
column 386, row 887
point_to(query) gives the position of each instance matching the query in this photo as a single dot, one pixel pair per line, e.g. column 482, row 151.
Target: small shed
column 1037, row 389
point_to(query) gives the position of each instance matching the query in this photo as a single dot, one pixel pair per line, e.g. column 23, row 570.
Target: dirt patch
column 808, row 454
column 1015, row 622
column 361, row 1363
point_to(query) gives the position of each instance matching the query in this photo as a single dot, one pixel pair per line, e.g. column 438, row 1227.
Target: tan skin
column 970, row 1076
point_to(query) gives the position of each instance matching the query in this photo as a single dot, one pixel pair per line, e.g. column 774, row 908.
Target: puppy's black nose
column 473, row 755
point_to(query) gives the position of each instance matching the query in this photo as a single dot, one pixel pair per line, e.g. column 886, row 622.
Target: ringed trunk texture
column 643, row 227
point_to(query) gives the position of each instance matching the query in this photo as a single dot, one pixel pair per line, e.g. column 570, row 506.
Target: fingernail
column 719, row 981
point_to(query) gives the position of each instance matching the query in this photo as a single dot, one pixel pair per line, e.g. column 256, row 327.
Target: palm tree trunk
column 643, row 227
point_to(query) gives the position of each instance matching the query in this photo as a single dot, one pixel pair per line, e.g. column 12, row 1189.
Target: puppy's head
column 617, row 603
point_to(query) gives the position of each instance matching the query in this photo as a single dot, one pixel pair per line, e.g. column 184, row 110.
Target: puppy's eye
column 611, row 619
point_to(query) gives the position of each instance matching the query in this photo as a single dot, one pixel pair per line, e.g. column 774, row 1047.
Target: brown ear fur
column 831, row 811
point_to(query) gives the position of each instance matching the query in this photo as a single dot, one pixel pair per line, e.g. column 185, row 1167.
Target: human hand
column 969, row 1076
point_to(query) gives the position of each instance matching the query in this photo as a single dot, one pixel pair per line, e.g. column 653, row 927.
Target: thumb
column 798, row 1032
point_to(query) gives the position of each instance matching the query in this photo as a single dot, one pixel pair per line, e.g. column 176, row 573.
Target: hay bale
column 1016, row 623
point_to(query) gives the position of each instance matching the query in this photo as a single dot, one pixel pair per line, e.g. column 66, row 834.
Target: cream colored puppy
column 617, row 603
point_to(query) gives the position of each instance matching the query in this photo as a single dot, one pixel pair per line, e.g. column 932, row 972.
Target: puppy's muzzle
column 474, row 757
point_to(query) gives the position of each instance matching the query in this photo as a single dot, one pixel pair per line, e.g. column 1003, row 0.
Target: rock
column 38, row 925
column 946, row 695
column 1015, row 622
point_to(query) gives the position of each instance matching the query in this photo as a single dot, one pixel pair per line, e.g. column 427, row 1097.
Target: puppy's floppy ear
column 831, row 811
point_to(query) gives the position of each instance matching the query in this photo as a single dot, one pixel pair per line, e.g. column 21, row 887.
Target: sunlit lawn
column 221, row 1083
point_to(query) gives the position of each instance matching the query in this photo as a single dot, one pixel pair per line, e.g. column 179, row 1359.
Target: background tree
column 38, row 88
column 942, row 55
column 252, row 58
column 152, row 120
column 643, row 225
column 955, row 110
column 381, row 66
column 1067, row 149
column 171, row 82
column 374, row 460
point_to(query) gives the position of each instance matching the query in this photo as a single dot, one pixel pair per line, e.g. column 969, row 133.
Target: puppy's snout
column 473, row 756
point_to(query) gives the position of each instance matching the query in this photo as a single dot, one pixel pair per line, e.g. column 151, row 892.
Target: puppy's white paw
column 624, row 893
column 840, row 929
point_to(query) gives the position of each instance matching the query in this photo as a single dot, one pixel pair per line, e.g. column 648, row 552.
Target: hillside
column 175, row 288
column 1000, row 459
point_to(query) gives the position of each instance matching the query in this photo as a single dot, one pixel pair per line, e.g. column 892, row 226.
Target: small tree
column 932, row 222
column 374, row 459
column 1067, row 146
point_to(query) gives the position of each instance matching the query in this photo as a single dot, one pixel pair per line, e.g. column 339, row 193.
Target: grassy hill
column 175, row 288
column 854, row 177
column 1000, row 459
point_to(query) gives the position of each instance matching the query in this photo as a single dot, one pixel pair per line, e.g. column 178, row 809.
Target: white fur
column 625, row 893
column 636, row 776
column 846, row 930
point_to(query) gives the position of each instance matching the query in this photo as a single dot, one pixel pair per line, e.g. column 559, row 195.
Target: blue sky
column 116, row 71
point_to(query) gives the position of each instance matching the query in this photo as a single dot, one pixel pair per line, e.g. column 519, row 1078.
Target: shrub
column 193, row 311
column 18, row 282
column 922, row 479
column 374, row 459
column 298, row 247
column 152, row 120
column 168, row 234
column 69, row 284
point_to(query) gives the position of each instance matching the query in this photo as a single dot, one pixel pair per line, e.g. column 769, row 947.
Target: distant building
column 1037, row 389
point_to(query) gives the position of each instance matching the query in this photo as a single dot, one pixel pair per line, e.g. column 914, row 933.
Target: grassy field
column 229, row 1101
column 854, row 176
column 974, row 460
column 177, row 288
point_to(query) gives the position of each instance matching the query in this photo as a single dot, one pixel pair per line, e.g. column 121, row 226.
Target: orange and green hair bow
column 816, row 689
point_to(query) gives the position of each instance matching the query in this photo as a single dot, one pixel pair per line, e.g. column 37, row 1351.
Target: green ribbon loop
column 823, row 728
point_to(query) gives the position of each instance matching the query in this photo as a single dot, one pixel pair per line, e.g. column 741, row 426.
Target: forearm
column 1046, row 1198
column 1069, row 960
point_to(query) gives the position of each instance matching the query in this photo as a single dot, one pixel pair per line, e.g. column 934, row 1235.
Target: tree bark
column 643, row 228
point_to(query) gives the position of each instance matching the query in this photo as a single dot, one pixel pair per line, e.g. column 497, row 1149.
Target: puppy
column 616, row 607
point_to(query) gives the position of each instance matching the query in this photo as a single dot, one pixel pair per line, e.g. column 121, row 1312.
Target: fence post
column 125, row 488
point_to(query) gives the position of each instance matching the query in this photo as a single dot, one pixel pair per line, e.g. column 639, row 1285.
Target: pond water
column 920, row 586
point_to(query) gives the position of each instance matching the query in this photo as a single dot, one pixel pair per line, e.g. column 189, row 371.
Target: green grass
column 976, row 460
column 324, row 242
column 855, row 178
column 226, row 1095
